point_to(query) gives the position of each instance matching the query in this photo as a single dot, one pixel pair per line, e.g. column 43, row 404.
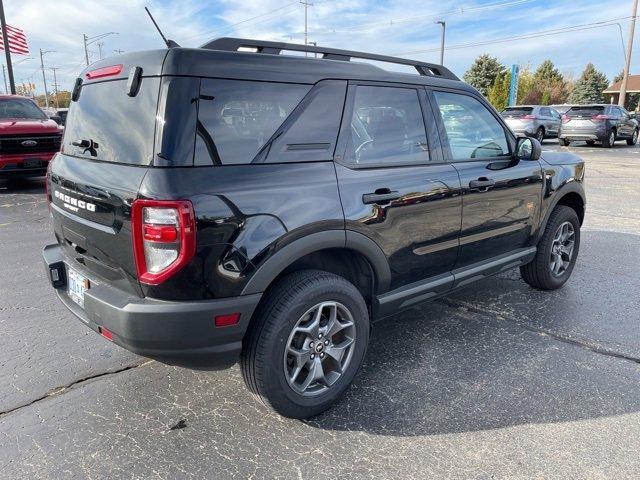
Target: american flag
column 17, row 41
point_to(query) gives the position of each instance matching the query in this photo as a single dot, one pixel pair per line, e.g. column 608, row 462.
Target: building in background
column 612, row 93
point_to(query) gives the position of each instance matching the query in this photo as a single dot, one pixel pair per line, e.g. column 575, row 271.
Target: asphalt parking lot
column 499, row 381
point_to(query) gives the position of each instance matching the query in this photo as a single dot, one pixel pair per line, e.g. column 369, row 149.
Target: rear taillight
column 164, row 238
column 529, row 117
column 565, row 118
column 600, row 118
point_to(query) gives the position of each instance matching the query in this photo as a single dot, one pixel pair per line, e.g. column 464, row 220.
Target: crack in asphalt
column 543, row 331
column 60, row 390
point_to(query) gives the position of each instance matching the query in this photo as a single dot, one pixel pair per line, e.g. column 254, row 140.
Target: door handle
column 482, row 184
column 380, row 196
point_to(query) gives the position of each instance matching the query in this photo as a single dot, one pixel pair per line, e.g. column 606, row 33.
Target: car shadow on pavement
column 22, row 185
column 499, row 356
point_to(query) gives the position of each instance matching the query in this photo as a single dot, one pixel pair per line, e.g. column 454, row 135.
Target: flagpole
column 5, row 41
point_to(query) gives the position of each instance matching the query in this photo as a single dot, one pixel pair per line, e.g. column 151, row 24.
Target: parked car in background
column 561, row 108
column 537, row 121
column 28, row 138
column 598, row 123
column 62, row 114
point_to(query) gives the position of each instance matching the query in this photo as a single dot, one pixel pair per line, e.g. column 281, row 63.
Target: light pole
column 89, row 40
column 7, row 52
column 444, row 27
column 44, row 78
column 627, row 63
column 55, row 85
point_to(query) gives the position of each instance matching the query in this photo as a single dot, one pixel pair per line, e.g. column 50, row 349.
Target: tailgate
column 90, row 208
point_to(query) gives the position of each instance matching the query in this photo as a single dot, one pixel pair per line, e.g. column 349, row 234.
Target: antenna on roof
column 168, row 43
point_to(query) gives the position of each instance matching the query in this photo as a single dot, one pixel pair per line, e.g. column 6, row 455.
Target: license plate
column 76, row 286
column 32, row 163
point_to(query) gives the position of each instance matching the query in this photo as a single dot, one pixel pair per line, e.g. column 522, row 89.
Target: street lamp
column 90, row 40
column 444, row 26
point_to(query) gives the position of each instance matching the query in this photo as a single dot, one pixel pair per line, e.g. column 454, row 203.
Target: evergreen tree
column 618, row 77
column 483, row 73
column 547, row 75
column 589, row 87
column 498, row 94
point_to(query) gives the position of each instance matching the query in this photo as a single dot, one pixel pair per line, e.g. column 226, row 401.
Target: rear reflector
column 106, row 333
column 104, row 72
column 227, row 320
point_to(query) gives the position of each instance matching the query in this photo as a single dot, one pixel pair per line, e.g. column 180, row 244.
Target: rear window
column 517, row 112
column 587, row 111
column 236, row 118
column 107, row 124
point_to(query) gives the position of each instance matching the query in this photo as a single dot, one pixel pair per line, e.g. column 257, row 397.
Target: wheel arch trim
column 279, row 261
column 563, row 191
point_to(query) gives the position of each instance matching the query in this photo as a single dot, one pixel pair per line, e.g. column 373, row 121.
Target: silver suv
column 537, row 121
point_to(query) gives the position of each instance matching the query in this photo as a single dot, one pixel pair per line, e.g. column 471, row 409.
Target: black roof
column 220, row 58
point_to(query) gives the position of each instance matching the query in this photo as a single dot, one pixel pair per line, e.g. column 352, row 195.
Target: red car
column 28, row 138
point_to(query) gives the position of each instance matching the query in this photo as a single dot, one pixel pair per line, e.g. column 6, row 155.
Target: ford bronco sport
column 216, row 205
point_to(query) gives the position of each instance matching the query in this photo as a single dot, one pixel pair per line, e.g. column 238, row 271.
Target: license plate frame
column 77, row 285
column 32, row 162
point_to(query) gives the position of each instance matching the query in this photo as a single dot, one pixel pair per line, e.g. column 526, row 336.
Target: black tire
column 537, row 273
column 634, row 139
column 563, row 142
column 263, row 354
column 610, row 140
column 540, row 134
column 590, row 142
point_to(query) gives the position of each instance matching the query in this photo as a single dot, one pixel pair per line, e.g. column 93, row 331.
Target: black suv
column 216, row 205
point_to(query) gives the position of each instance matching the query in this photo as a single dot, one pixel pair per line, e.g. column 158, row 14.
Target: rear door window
column 386, row 127
column 236, row 118
column 107, row 124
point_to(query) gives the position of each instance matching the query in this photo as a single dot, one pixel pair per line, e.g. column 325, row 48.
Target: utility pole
column 444, row 27
column 44, row 77
column 100, row 44
column 627, row 64
column 118, row 51
column 7, row 52
column 4, row 75
column 55, row 86
column 89, row 40
column 86, row 51
column 306, row 24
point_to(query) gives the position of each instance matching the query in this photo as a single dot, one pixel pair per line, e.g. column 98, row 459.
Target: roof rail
column 275, row 48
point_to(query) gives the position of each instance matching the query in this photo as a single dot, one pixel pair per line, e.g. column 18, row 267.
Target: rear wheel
column 610, row 140
column 540, row 134
column 557, row 251
column 307, row 343
column 634, row 139
column 563, row 142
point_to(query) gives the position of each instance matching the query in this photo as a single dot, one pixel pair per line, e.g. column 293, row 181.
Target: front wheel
column 306, row 344
column 563, row 142
column 557, row 251
column 540, row 135
column 634, row 139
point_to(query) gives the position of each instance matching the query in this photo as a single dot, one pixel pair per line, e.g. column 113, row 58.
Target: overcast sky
column 397, row 27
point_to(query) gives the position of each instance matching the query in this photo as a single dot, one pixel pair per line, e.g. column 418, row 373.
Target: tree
column 549, row 82
column 525, row 84
column 498, row 94
column 589, row 87
column 483, row 73
column 618, row 77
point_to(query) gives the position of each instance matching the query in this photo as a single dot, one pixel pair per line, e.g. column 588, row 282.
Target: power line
column 416, row 18
column 540, row 33
column 229, row 27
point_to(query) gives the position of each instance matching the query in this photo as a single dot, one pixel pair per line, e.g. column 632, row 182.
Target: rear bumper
column 18, row 164
column 584, row 134
column 177, row 333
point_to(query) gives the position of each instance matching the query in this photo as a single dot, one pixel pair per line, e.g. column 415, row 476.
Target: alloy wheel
column 562, row 249
column 319, row 348
column 612, row 138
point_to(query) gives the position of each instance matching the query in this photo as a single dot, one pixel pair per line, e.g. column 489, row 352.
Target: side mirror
column 528, row 149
